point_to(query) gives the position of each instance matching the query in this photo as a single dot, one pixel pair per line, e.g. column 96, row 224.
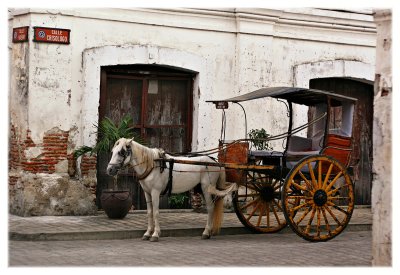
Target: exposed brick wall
column 54, row 150
column 14, row 158
column 88, row 163
column 12, row 180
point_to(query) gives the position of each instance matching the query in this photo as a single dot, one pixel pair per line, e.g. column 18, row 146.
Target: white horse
column 154, row 179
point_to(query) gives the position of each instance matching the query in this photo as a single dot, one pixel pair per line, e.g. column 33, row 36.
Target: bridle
column 125, row 154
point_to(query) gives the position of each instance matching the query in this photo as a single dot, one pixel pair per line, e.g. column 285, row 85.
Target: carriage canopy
column 309, row 97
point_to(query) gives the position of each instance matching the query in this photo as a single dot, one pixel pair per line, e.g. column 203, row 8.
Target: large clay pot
column 116, row 203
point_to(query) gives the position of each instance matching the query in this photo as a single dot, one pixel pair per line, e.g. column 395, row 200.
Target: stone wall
column 42, row 177
column 382, row 144
column 49, row 194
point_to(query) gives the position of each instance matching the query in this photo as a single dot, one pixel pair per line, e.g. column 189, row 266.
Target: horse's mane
column 147, row 154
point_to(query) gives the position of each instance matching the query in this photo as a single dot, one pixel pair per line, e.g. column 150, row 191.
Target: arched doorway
column 361, row 161
column 159, row 99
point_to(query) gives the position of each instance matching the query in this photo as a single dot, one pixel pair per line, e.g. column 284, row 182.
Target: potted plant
column 178, row 201
column 258, row 138
column 116, row 203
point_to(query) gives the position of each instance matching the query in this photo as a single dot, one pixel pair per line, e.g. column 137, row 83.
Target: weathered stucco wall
column 55, row 88
column 382, row 141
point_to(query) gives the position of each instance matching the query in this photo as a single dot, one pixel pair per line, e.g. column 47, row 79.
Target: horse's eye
column 122, row 153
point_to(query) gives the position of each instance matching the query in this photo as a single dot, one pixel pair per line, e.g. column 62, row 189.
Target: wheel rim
column 318, row 198
column 258, row 203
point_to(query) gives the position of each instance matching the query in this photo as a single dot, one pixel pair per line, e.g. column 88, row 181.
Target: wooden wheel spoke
column 276, row 215
column 277, row 205
column 335, row 190
column 267, row 214
column 319, row 174
column 301, row 206
column 299, row 197
column 261, row 213
column 328, row 227
column 303, row 216
column 318, row 221
column 253, row 211
column 309, row 185
column 338, row 208
column 333, row 181
column 252, row 186
column 257, row 186
column 313, row 180
column 327, row 176
column 308, row 227
column 295, row 202
column 332, row 215
column 247, row 205
column 298, row 186
column 338, row 198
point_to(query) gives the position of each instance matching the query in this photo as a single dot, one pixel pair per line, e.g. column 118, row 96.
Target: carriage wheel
column 318, row 198
column 258, row 205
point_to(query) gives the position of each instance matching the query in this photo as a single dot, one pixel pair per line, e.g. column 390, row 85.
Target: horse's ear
column 128, row 143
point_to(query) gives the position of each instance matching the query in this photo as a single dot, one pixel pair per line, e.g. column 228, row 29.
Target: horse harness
column 128, row 152
column 163, row 165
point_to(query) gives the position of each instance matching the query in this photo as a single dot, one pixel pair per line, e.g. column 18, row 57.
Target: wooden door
column 361, row 160
column 160, row 104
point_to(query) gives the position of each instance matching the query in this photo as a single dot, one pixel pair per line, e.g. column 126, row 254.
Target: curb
column 132, row 234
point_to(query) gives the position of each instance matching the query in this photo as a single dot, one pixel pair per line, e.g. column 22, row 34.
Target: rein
column 220, row 149
column 145, row 174
column 139, row 177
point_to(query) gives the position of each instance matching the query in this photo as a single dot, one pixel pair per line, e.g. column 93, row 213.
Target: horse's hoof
column 205, row 237
column 154, row 239
column 146, row 238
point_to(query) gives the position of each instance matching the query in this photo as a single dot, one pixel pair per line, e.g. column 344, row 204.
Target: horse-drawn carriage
column 306, row 185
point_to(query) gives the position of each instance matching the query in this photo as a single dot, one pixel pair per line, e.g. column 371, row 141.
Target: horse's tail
column 226, row 188
column 222, row 187
column 218, row 215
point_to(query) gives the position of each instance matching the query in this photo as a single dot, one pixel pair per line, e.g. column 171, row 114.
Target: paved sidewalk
column 176, row 223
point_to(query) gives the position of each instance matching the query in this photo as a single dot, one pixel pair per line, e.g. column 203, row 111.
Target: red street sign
column 20, row 34
column 51, row 35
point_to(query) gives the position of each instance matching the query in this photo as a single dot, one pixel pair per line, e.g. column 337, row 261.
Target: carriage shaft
column 224, row 164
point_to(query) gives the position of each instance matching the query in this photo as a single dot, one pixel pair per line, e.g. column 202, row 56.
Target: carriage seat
column 300, row 146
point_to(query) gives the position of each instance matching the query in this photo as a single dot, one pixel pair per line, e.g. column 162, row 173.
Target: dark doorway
column 362, row 135
column 159, row 100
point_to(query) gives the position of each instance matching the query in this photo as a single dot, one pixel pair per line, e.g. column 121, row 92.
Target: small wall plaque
column 20, row 34
column 221, row 104
column 51, row 35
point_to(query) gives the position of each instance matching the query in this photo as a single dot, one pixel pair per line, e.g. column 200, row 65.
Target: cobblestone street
column 348, row 249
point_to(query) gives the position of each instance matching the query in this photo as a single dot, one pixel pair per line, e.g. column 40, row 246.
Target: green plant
column 177, row 200
column 108, row 132
column 259, row 138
